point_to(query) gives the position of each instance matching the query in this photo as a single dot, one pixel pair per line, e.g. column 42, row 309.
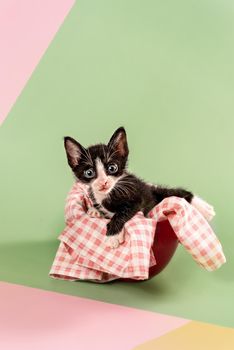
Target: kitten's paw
column 121, row 237
column 93, row 212
column 114, row 241
column 204, row 208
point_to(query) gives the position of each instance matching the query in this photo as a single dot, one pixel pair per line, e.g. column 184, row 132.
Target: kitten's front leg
column 115, row 226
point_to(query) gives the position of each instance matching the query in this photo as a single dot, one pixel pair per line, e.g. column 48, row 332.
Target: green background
column 164, row 70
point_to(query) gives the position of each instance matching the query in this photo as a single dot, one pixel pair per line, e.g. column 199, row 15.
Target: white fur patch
column 100, row 170
column 103, row 178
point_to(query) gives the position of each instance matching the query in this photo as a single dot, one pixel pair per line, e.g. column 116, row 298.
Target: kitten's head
column 99, row 166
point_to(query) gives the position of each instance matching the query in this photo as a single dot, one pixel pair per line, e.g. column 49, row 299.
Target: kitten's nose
column 104, row 184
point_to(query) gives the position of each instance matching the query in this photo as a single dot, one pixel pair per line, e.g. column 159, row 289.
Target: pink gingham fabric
column 83, row 254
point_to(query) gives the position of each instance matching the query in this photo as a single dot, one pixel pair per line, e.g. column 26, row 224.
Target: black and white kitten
column 116, row 193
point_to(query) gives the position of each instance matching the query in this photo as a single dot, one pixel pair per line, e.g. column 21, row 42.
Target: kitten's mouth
column 104, row 189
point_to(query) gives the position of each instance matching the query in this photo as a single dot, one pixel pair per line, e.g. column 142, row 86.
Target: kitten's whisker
column 111, row 155
column 87, row 160
column 87, row 155
column 123, row 190
column 119, row 189
column 126, row 184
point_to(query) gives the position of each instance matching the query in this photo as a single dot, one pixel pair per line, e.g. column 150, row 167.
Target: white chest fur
column 102, row 177
column 99, row 197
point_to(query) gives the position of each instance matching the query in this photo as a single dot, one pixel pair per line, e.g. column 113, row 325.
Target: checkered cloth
column 83, row 254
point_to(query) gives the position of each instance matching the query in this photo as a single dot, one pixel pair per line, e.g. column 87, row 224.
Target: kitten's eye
column 89, row 174
column 112, row 168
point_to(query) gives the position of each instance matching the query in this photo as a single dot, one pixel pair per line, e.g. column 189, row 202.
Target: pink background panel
column 26, row 29
column 36, row 319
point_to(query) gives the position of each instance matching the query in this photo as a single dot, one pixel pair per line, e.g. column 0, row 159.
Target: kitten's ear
column 118, row 142
column 73, row 150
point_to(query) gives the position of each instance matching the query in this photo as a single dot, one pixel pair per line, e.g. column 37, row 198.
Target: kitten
column 116, row 193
